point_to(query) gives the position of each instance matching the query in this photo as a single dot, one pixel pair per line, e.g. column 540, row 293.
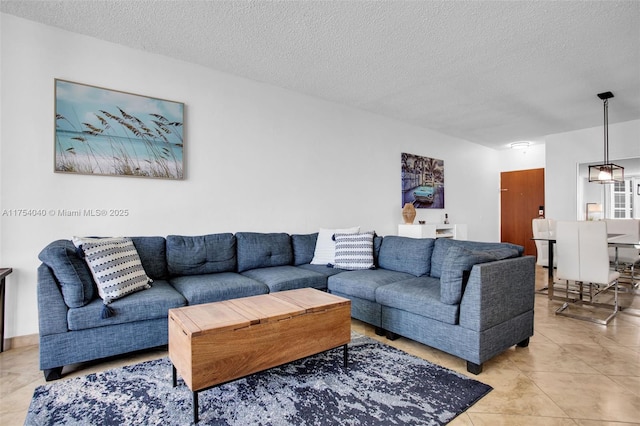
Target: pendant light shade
column 606, row 172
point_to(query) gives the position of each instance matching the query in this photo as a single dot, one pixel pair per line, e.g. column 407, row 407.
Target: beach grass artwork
column 422, row 181
column 108, row 132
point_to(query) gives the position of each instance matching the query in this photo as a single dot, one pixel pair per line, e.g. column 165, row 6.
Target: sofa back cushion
column 71, row 271
column 257, row 250
column 455, row 272
column 303, row 248
column 404, row 254
column 153, row 254
column 204, row 254
column 377, row 243
column 442, row 245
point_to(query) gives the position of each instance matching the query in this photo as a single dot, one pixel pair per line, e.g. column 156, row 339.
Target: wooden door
column 521, row 195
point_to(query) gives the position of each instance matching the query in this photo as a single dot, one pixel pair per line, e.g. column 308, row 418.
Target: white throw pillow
column 325, row 252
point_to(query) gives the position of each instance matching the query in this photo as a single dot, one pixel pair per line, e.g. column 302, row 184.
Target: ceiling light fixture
column 520, row 145
column 606, row 172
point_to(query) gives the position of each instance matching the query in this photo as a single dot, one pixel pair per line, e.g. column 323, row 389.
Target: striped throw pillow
column 116, row 267
column 354, row 251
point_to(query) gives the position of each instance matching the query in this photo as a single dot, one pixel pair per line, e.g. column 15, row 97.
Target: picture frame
column 593, row 211
column 106, row 132
column 422, row 180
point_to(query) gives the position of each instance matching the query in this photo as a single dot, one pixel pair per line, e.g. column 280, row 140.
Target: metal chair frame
column 574, row 268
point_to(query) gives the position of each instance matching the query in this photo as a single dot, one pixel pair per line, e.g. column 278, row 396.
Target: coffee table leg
column 175, row 374
column 346, row 352
column 195, row 407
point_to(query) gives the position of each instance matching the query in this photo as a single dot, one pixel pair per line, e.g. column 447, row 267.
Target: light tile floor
column 572, row 373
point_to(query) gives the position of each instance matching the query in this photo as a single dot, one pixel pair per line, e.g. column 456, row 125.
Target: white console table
column 433, row 230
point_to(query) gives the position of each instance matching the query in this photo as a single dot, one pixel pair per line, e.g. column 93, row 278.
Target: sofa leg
column 474, row 368
column 391, row 335
column 52, row 374
column 524, row 343
column 379, row 331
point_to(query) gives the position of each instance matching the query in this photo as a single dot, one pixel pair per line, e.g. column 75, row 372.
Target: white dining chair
column 583, row 261
column 625, row 259
column 543, row 228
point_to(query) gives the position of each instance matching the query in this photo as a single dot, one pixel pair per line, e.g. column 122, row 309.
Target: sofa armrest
column 498, row 291
column 52, row 311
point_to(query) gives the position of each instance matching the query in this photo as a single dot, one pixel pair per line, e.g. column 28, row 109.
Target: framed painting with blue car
column 422, row 181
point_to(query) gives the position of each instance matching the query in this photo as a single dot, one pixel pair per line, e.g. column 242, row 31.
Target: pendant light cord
column 606, row 131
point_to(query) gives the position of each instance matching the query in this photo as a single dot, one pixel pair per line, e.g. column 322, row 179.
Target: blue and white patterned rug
column 381, row 386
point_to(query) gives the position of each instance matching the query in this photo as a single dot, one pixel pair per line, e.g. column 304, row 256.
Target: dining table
column 613, row 240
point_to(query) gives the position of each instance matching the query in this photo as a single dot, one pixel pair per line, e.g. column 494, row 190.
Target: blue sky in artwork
column 80, row 103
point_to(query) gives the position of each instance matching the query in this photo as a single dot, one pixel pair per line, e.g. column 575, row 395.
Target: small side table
column 3, row 273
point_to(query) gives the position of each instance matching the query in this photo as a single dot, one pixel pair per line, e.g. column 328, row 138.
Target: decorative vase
column 408, row 213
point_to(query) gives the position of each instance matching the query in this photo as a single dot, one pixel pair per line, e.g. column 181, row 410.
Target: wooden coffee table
column 214, row 343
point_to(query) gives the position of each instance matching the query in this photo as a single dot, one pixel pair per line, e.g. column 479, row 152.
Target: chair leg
column 628, row 272
column 634, row 280
column 563, row 310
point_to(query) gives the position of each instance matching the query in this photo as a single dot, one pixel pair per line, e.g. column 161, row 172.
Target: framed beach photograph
column 107, row 132
column 422, row 181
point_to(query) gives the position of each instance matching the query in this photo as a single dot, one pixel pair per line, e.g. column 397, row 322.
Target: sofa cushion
column 325, row 270
column 303, row 248
column 377, row 243
column 404, row 254
column 354, row 251
column 215, row 287
column 153, row 255
column 363, row 284
column 145, row 305
column 204, row 254
column 257, row 250
column 115, row 266
column 420, row 296
column 455, row 270
column 71, row 271
column 443, row 244
column 279, row 278
column 325, row 250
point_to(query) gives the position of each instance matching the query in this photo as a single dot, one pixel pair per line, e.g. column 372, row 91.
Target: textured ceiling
column 488, row 72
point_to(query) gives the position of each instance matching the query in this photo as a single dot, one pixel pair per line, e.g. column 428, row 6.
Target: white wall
column 564, row 151
column 258, row 158
column 532, row 157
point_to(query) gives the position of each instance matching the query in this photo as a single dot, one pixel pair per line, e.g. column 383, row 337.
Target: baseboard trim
column 21, row 341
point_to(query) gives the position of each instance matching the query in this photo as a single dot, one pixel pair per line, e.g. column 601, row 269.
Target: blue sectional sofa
column 473, row 300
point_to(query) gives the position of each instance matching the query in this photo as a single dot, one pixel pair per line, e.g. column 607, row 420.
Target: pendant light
column 606, row 172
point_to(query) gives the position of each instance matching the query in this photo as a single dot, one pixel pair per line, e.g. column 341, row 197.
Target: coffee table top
column 311, row 299
column 243, row 312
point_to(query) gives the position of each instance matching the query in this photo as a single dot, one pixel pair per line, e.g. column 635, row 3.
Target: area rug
column 380, row 386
